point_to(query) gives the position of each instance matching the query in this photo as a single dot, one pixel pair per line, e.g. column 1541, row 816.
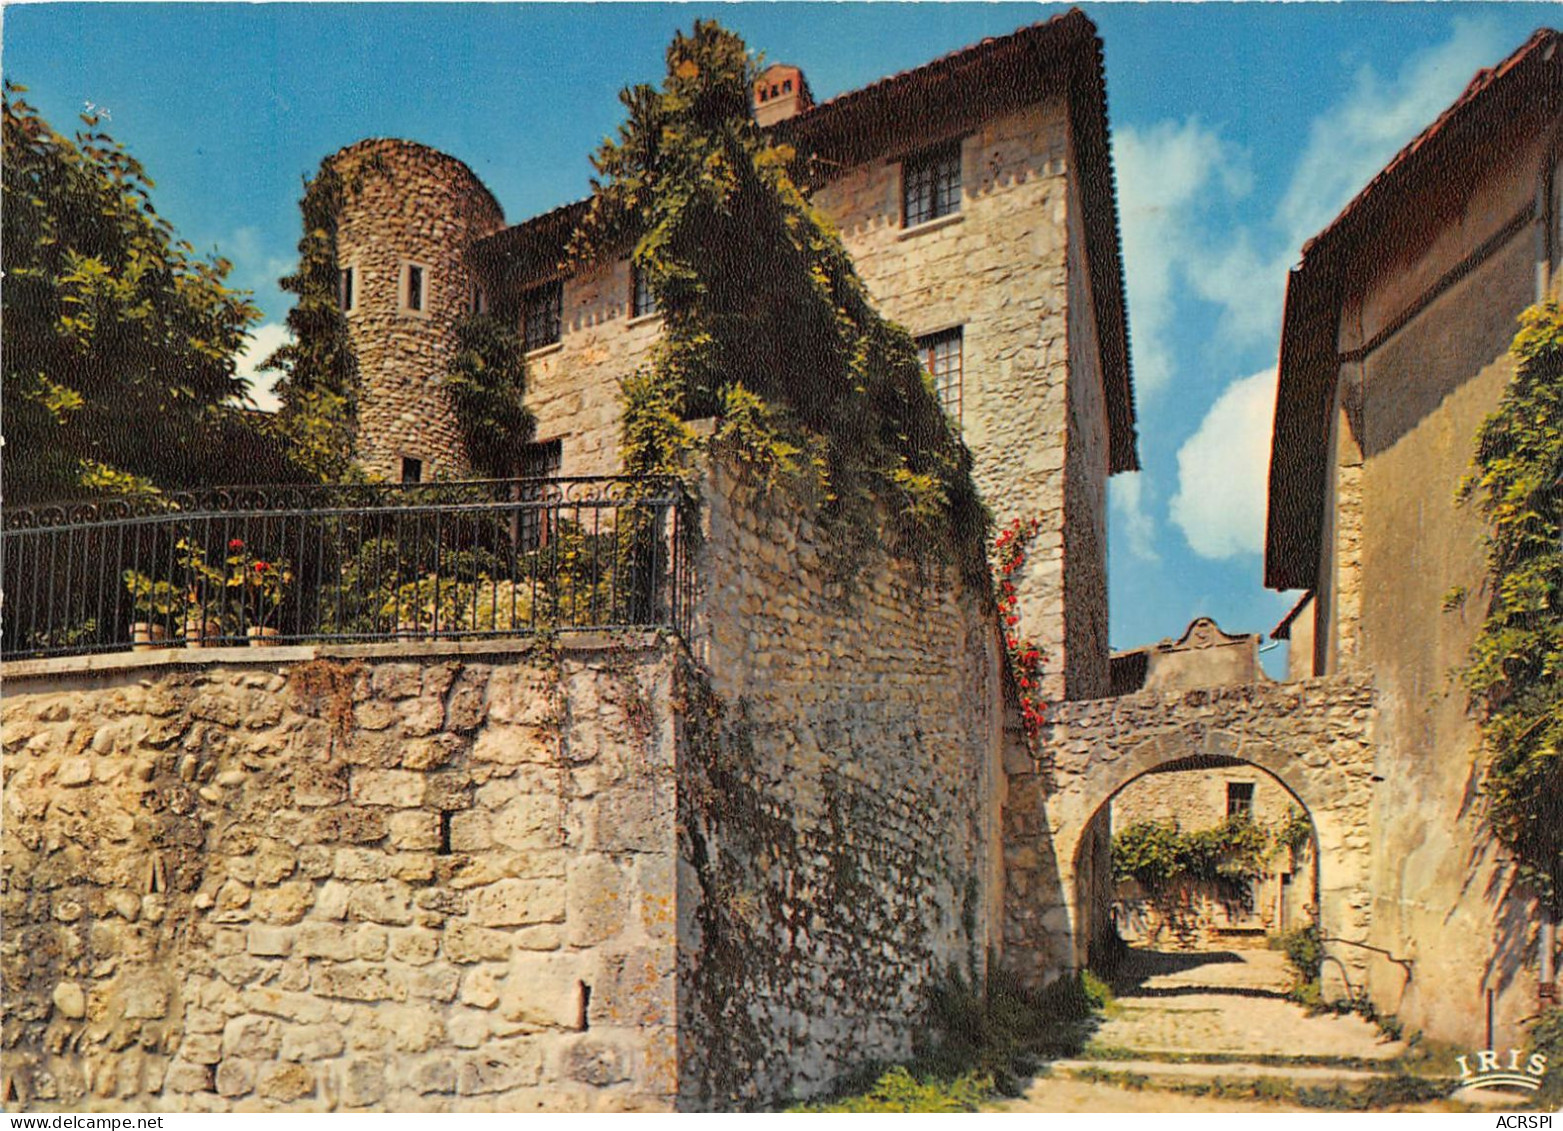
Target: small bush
column 1305, row 951
column 897, row 1090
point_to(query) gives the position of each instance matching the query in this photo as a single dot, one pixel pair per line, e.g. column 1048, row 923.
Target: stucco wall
column 838, row 850
column 1441, row 895
column 449, row 888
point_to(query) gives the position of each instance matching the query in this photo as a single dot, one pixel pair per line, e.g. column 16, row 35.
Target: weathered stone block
column 332, row 940
column 433, row 1077
column 352, row 981
column 388, row 903
column 544, row 990
column 414, row 830
column 399, row 789
column 70, row 1000
column 515, row 745
column 269, row 942
column 515, row 903
column 311, row 1042
column 596, row 901
column 235, row 1078
column 285, row 1083
column 363, row 1083
column 596, row 1060
column 252, row 1037
column 467, row 942
column 184, row 1077
column 498, row 1068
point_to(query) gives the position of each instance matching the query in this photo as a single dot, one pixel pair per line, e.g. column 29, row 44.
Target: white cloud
column 1166, row 175
column 264, row 339
column 1126, row 497
column 1175, row 177
column 1349, row 143
column 1223, row 471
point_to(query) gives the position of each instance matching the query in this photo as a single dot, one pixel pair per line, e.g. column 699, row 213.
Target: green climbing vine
column 1515, row 671
column 486, row 384
column 319, row 383
column 766, row 325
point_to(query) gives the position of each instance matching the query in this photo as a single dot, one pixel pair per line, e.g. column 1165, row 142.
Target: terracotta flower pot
column 202, row 633
column 263, row 636
column 145, row 636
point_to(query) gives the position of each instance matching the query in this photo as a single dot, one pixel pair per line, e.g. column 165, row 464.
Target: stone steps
column 1164, row 1073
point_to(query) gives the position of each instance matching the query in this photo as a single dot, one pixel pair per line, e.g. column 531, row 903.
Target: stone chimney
column 780, row 92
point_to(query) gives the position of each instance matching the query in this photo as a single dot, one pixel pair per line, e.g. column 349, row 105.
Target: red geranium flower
column 261, row 567
column 236, row 544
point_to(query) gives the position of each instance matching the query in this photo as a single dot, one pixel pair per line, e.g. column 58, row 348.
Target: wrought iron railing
column 358, row 562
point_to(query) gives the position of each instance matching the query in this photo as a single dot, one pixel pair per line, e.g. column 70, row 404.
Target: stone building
column 712, row 866
column 1394, row 349
column 975, row 195
column 718, row 861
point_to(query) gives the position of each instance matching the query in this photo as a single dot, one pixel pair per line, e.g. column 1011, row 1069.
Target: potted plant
column 203, row 627
column 264, row 584
column 150, row 599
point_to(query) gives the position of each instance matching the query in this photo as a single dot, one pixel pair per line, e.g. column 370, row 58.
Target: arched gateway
column 1314, row 738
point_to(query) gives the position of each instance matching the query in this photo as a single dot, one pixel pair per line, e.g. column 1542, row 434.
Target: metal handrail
column 309, row 563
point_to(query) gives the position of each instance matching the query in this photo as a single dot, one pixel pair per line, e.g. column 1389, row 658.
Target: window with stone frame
column 347, row 288
column 542, row 317
column 941, row 355
column 642, row 301
column 415, row 288
column 479, row 301
column 931, row 184
column 541, row 460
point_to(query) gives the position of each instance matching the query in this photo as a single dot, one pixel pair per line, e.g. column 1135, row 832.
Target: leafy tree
column 1516, row 667
column 119, row 342
column 485, row 385
column 758, row 294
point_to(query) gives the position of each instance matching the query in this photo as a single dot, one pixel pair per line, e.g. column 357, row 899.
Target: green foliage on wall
column 1157, row 854
column 319, row 383
column 1515, row 673
column 119, row 341
column 486, row 384
column 758, row 294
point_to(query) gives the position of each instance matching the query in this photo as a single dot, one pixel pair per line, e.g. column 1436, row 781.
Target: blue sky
column 1239, row 131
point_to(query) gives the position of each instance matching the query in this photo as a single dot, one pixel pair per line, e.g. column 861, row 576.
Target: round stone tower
column 409, row 216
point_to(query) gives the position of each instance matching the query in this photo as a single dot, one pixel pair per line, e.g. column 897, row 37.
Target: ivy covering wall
column 1515, row 672
column 766, row 324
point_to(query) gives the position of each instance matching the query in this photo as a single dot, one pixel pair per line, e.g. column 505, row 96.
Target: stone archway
column 1313, row 737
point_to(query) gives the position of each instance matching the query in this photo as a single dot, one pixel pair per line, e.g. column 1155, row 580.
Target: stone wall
column 407, row 203
column 1197, row 799
column 999, row 270
column 246, row 881
column 1315, row 738
column 838, row 852
column 1086, row 650
column 487, row 876
column 573, row 385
